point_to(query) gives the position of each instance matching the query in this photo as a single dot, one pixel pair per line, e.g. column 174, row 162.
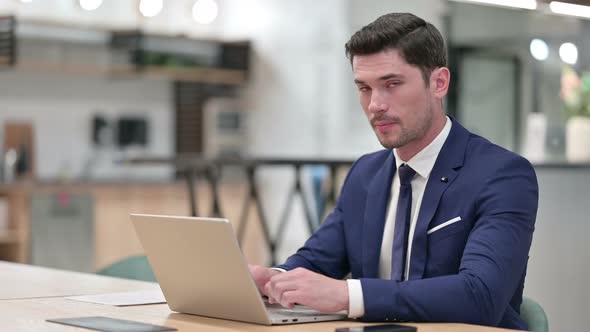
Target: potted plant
column 575, row 93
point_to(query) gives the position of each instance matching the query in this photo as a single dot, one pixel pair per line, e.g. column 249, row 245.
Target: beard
column 408, row 132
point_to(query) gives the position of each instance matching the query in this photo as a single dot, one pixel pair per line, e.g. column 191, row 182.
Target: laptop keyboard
column 276, row 310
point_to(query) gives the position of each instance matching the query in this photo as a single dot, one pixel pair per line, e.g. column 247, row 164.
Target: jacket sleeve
column 492, row 266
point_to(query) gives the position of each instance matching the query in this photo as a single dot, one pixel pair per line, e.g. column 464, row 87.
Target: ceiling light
column 569, row 9
column 524, row 4
column 150, row 8
column 205, row 11
column 568, row 52
column 26, row 1
column 539, row 49
column 90, row 4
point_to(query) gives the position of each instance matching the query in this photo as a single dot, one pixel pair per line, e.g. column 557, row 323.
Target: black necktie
column 402, row 222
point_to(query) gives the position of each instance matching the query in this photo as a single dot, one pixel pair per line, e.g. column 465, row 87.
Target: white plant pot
column 577, row 135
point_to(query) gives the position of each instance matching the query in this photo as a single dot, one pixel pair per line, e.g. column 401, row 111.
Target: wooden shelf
column 75, row 69
column 200, row 75
column 139, row 54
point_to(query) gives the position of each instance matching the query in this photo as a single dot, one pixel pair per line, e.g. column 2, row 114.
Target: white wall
column 559, row 263
column 297, row 96
column 300, row 74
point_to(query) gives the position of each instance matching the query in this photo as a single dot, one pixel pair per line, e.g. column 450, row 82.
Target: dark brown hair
column 417, row 41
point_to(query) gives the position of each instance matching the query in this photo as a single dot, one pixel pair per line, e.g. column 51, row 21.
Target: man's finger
column 278, row 288
column 290, row 298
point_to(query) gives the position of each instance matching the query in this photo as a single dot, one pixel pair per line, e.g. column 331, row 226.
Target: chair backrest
column 534, row 315
column 133, row 267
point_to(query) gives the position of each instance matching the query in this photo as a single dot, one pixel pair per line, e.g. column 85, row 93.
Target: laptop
column 202, row 271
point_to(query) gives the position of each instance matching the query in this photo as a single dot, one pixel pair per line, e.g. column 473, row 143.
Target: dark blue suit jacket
column 471, row 271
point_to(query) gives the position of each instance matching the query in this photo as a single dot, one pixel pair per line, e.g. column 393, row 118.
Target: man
column 438, row 226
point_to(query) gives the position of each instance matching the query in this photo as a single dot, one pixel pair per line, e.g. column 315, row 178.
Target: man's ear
column 440, row 79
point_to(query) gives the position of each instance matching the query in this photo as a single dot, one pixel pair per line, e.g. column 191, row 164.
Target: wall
column 559, row 262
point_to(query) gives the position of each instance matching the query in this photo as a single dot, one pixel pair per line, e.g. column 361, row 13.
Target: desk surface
column 30, row 295
column 18, row 281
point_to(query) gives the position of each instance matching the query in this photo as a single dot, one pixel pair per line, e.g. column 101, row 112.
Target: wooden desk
column 29, row 314
column 18, row 281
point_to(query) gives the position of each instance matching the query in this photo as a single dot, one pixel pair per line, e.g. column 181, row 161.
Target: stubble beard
column 408, row 135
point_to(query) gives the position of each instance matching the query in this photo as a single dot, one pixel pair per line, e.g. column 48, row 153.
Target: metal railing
column 193, row 167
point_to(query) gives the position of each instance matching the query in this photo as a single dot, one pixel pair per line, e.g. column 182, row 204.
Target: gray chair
column 133, row 267
column 534, row 315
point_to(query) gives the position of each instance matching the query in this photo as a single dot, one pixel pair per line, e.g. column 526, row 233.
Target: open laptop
column 202, row 271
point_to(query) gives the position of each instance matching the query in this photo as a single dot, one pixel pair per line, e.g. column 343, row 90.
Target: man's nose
column 377, row 103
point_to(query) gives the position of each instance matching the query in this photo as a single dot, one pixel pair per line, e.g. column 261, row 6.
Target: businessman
column 435, row 228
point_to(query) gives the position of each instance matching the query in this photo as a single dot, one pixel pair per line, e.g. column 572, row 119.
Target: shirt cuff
column 278, row 269
column 356, row 302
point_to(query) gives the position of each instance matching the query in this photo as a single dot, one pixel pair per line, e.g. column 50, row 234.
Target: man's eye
column 363, row 88
column 393, row 84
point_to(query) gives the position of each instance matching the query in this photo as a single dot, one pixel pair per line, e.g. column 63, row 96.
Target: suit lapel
column 447, row 165
column 378, row 195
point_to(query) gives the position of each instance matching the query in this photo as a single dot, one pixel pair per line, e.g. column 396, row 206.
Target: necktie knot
column 406, row 173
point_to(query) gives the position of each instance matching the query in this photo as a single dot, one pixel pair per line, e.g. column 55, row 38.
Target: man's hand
column 261, row 276
column 301, row 286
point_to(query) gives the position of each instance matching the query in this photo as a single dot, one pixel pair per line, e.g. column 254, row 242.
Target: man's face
column 394, row 97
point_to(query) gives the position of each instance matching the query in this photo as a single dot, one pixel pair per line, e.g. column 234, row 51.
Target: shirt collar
column 423, row 161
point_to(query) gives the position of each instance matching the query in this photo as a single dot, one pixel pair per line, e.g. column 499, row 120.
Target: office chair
column 534, row 315
column 133, row 267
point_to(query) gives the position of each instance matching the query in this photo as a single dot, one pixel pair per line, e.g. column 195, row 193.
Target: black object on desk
column 106, row 324
column 378, row 328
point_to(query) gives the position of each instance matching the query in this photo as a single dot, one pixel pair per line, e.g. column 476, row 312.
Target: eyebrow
column 382, row 78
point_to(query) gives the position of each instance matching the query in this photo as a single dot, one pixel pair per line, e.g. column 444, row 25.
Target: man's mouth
column 383, row 125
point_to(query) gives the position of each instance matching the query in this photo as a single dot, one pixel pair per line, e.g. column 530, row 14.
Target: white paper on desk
column 124, row 299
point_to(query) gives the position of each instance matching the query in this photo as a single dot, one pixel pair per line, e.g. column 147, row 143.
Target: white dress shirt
column 422, row 163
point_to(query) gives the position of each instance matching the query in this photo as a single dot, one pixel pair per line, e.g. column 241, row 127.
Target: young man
column 436, row 227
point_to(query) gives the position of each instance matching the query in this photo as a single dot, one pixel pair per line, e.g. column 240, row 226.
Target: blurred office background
column 111, row 107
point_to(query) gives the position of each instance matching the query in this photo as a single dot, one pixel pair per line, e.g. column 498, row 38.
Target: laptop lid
column 200, row 267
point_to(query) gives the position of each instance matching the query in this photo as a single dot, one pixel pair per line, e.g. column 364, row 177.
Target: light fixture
column 539, row 49
column 90, row 5
column 205, row 11
column 568, row 52
column 569, row 9
column 150, row 8
column 26, row 1
column 524, row 4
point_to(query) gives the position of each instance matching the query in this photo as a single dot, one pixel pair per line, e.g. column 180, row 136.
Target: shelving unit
column 46, row 47
column 7, row 43
column 196, row 69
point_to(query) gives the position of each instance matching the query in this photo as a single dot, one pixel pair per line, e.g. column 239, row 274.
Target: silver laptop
column 202, row 271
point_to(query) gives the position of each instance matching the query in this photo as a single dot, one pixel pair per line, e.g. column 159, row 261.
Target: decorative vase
column 577, row 135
